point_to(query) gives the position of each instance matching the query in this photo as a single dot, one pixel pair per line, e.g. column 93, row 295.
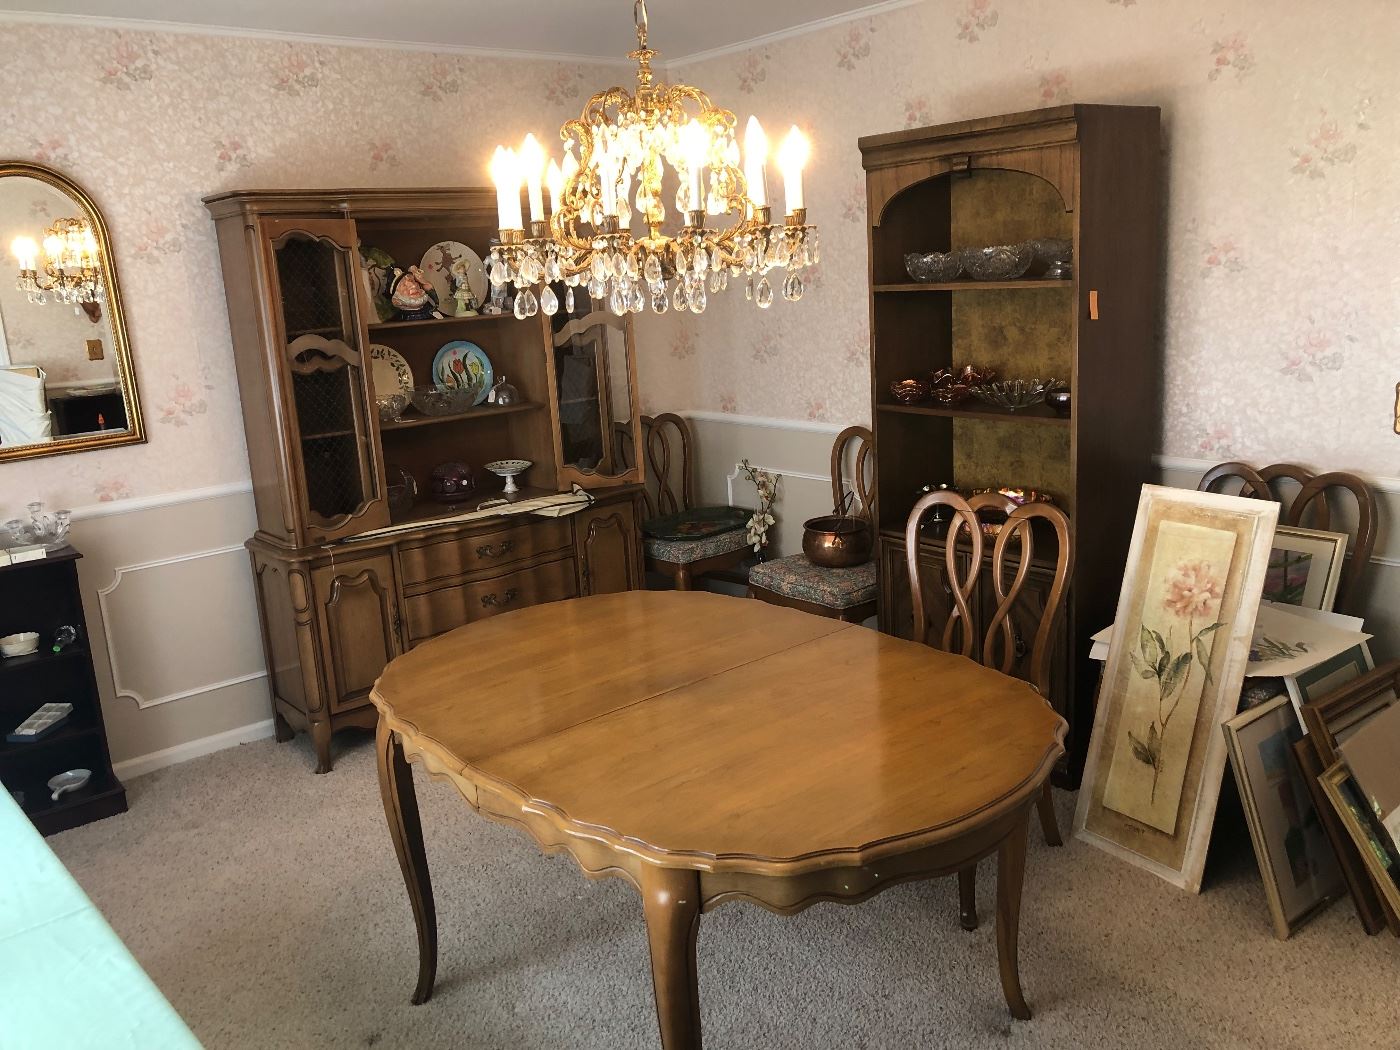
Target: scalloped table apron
column 711, row 749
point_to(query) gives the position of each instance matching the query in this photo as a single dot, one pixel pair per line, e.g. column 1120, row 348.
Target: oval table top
column 716, row 733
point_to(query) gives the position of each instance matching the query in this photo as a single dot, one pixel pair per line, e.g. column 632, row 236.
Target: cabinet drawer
column 445, row 558
column 447, row 607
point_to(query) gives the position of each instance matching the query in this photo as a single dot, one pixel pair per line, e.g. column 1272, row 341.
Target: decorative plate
column 458, row 359
column 389, row 371
column 437, row 267
column 375, row 264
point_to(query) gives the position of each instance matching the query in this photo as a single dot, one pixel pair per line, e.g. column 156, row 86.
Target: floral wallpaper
column 1281, row 125
column 149, row 123
column 1281, row 298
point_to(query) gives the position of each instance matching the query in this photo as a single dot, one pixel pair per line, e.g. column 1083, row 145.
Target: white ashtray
column 21, row 644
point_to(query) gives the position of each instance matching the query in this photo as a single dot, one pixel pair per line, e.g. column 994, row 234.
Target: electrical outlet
column 94, row 349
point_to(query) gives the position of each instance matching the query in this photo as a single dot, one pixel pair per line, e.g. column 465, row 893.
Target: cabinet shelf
column 971, row 286
column 429, row 322
column 327, row 435
column 1033, row 414
column 43, row 658
column 483, row 412
column 58, row 737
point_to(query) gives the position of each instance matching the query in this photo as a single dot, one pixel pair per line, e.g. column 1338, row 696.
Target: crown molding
column 868, row 11
column 141, row 25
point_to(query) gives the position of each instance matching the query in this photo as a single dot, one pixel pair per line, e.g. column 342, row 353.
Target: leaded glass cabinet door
column 331, row 430
column 595, row 400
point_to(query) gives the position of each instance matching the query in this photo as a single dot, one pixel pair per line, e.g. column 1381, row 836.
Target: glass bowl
column 434, row 402
column 934, row 266
column 909, row 391
column 1053, row 257
column 1001, row 262
column 391, row 407
column 1012, row 394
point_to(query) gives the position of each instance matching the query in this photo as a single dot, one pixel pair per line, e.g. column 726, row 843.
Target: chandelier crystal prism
column 625, row 158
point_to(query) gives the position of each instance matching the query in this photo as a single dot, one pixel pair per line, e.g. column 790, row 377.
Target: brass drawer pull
column 490, row 550
column 489, row 600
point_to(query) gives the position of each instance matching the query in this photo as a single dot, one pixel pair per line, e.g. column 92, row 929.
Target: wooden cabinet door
column 609, row 548
column 359, row 625
column 896, row 603
column 326, row 402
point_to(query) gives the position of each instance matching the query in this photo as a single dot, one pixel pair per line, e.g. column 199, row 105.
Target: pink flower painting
column 52, row 151
column 109, row 489
column 562, row 85
column 683, row 346
column 729, row 403
column 183, row 405
column 1328, row 146
column 230, row 155
column 296, row 72
column 1217, row 443
column 1192, row 590
column 1222, row 256
column 917, row 111
column 1054, row 86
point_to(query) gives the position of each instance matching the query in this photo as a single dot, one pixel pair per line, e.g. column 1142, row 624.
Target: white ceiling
column 598, row 29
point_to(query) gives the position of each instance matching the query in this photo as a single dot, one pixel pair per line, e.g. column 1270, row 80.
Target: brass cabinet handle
column 490, row 550
column 489, row 600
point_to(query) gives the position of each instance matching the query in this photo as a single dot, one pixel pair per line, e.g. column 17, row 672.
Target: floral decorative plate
column 389, row 371
column 458, row 363
column 437, row 265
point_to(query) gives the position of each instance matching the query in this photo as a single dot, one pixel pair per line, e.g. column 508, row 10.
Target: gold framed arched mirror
column 66, row 379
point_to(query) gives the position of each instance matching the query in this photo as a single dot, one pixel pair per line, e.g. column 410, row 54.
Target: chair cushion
column 686, row 551
column 796, row 577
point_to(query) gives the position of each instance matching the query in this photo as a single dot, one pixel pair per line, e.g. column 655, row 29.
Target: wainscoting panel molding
column 168, row 628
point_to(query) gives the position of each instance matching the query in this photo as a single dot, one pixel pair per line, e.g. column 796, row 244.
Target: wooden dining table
column 711, row 749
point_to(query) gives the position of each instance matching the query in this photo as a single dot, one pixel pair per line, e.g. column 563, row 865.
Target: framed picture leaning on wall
column 1181, row 639
column 1300, row 871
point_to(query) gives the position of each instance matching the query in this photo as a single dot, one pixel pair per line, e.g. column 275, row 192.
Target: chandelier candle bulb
column 506, row 176
column 792, row 158
column 532, row 164
column 554, row 179
column 755, row 163
column 27, row 252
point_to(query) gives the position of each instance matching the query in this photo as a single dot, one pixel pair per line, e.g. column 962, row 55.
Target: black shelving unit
column 43, row 596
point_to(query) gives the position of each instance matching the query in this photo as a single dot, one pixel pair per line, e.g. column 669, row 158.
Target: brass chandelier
column 623, row 158
column 72, row 270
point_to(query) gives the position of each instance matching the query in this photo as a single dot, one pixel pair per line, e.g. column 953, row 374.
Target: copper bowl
column 835, row 542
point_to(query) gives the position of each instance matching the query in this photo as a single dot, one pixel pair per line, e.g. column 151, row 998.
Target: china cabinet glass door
column 599, row 428
column 314, row 270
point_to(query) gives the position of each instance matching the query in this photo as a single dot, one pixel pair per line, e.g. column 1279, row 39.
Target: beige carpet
column 267, row 905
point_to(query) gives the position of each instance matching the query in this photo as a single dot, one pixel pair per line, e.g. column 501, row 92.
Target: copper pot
column 836, row 542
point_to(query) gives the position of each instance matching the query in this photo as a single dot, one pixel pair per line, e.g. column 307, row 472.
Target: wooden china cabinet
column 337, row 605
column 1089, row 174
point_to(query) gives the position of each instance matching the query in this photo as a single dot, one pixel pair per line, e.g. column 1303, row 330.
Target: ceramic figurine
column 411, row 294
column 461, row 291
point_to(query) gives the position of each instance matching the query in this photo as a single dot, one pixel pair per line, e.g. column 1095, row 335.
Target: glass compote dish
column 50, row 530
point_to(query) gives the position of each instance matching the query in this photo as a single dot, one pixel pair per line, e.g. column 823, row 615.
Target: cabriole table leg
column 401, row 811
column 671, row 902
column 1011, row 869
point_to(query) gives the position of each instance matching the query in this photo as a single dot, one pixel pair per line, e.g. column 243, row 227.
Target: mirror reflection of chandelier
column 633, row 152
column 72, row 270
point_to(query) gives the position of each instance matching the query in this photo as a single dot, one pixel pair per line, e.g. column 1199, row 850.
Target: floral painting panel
column 1173, row 642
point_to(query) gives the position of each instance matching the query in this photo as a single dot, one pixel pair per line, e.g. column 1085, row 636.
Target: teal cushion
column 796, row 577
column 686, row 551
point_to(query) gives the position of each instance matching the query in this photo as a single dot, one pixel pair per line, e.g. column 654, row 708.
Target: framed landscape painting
column 1300, row 870
column 1181, row 639
column 1305, row 566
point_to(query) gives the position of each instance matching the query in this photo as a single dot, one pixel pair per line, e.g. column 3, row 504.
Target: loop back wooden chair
column 960, row 632
column 845, row 594
column 669, row 470
column 1312, row 503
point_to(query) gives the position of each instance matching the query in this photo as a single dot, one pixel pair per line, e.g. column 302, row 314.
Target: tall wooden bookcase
column 1090, row 173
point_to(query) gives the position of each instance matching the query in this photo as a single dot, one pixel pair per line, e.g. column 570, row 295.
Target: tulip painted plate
column 458, row 363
